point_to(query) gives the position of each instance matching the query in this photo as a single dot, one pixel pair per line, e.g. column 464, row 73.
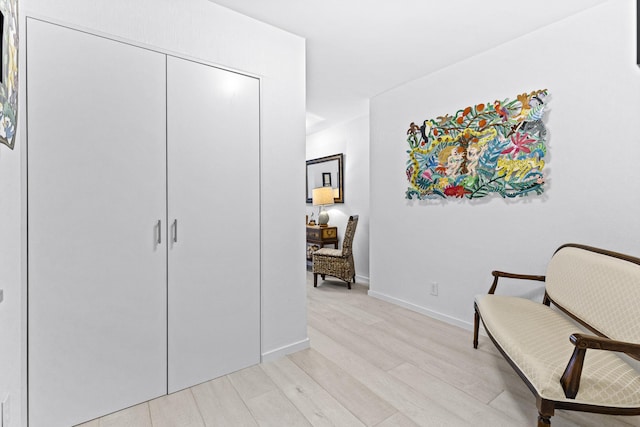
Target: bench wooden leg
column 544, row 420
column 476, row 326
column 545, row 412
column 315, row 280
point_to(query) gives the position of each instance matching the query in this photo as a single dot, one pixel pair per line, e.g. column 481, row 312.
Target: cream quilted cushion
column 602, row 290
column 536, row 339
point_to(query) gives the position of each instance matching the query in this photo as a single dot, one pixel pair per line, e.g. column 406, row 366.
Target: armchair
column 337, row 262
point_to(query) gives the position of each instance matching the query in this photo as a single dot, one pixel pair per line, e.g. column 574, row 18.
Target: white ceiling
column 357, row 49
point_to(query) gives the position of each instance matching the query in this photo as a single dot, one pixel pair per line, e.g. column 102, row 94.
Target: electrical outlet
column 434, row 289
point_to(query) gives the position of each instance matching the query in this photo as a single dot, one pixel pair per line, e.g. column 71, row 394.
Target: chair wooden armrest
column 497, row 274
column 570, row 379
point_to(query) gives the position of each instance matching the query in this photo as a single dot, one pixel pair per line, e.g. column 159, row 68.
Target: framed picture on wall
column 326, row 179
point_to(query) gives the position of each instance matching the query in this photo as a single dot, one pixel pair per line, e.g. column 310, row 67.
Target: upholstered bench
column 564, row 366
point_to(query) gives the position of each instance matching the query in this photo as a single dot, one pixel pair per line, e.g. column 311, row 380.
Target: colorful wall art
column 496, row 147
column 8, row 71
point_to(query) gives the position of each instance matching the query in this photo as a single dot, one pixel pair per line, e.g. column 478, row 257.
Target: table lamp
column 322, row 196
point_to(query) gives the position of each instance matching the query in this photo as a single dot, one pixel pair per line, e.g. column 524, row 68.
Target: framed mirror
column 326, row 172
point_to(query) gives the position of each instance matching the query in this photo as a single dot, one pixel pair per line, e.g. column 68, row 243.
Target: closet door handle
column 159, row 231
column 175, row 230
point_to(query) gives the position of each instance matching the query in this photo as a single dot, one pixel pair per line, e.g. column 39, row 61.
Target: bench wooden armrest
column 497, row 274
column 570, row 379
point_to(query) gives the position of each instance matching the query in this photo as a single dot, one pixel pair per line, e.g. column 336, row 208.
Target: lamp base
column 323, row 219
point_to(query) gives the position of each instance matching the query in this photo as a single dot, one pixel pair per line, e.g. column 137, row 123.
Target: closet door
column 96, row 191
column 214, row 197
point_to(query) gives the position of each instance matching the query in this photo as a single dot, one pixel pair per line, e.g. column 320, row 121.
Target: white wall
column 201, row 30
column 592, row 193
column 12, row 265
column 351, row 139
column 11, row 314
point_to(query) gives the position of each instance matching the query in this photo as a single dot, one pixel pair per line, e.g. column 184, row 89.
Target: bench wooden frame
column 570, row 380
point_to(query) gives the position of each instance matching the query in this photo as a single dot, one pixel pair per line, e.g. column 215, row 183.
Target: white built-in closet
column 143, row 224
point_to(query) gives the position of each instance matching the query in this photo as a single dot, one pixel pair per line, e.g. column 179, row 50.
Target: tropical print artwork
column 495, row 147
column 8, row 71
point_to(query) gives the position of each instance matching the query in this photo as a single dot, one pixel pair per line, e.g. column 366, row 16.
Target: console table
column 320, row 236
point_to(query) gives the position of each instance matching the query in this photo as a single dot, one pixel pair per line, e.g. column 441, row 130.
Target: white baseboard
column 287, row 349
column 362, row 280
column 422, row 310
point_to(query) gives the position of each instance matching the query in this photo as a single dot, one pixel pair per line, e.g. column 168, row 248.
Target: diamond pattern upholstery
column 602, row 290
column 536, row 339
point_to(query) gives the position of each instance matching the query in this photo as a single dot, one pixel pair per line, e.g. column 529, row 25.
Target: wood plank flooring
column 371, row 363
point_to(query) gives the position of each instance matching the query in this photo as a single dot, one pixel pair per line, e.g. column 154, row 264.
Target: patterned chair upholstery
column 337, row 262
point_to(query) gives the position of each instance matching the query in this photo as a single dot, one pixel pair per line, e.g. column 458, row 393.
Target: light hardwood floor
column 370, row 364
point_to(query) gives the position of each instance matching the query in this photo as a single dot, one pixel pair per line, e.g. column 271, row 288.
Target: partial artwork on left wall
column 8, row 71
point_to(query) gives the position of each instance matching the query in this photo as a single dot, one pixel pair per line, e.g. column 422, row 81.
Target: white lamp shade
column 322, row 196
